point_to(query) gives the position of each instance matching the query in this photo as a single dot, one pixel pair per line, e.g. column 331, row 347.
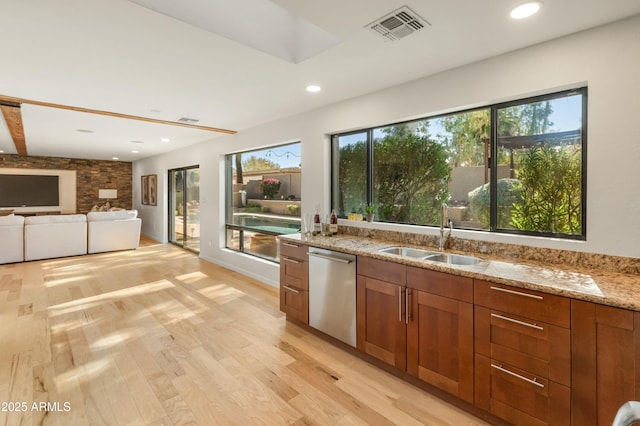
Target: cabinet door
column 440, row 342
column 380, row 320
column 294, row 303
column 605, row 361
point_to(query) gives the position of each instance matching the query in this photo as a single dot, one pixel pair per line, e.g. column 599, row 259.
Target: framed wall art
column 150, row 190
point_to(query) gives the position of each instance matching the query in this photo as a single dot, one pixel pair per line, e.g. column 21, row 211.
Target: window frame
column 492, row 161
column 229, row 226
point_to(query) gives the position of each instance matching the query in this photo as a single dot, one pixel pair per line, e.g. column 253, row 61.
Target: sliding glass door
column 184, row 207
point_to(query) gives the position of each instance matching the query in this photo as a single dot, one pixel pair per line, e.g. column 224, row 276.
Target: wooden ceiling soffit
column 13, row 117
column 19, row 101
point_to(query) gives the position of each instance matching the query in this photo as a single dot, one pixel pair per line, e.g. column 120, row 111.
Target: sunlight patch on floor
column 92, row 301
column 221, row 293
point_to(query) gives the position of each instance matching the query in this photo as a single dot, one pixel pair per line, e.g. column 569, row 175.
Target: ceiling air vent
column 188, row 120
column 398, row 24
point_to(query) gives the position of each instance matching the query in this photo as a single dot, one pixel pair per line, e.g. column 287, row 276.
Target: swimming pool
column 271, row 224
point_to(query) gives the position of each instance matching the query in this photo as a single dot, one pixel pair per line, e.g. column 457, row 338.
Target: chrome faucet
column 444, row 220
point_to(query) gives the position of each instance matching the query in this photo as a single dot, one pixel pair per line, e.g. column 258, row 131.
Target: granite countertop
column 607, row 288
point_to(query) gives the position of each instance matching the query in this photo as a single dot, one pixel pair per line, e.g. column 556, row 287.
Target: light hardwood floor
column 156, row 336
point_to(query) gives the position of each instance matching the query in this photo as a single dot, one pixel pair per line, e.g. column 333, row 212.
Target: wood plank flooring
column 156, row 336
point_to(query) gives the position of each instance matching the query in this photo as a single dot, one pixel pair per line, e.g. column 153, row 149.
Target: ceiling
column 119, row 56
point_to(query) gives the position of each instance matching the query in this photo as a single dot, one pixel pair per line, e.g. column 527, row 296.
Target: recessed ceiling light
column 135, row 151
column 313, row 88
column 526, row 9
column 84, row 130
column 115, row 158
column 1, row 151
column 165, row 140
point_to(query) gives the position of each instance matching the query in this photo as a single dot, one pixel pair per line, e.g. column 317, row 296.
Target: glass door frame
column 172, row 208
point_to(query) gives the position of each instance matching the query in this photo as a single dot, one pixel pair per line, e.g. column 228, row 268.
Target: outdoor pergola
column 524, row 142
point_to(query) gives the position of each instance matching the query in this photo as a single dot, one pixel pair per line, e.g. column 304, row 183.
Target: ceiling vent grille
column 398, row 24
column 188, row 120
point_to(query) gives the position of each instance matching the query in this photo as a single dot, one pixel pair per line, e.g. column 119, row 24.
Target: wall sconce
column 108, row 194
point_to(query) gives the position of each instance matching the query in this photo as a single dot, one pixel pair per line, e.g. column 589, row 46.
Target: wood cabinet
column 418, row 320
column 440, row 330
column 381, row 326
column 605, row 361
column 527, row 357
column 294, row 281
column 522, row 354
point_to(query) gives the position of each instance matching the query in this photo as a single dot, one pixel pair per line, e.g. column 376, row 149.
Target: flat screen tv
column 28, row 191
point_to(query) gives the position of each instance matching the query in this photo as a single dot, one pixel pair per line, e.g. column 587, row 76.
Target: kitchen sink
column 453, row 259
column 407, row 251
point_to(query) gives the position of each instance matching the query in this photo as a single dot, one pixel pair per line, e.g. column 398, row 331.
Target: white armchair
column 11, row 239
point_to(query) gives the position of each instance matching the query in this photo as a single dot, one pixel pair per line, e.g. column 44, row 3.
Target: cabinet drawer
column 293, row 250
column 440, row 283
column 539, row 348
column 383, row 270
column 526, row 303
column 519, row 396
column 295, row 303
column 294, row 272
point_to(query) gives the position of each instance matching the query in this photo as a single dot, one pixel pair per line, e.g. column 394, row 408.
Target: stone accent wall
column 91, row 175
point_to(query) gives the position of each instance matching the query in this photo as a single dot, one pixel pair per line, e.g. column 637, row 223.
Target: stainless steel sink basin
column 407, row 251
column 454, row 259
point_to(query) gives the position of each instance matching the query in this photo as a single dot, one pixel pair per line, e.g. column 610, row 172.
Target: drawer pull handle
column 407, row 306
column 526, row 324
column 400, row 303
column 518, row 293
column 526, row 379
column 291, row 260
column 290, row 245
column 291, row 289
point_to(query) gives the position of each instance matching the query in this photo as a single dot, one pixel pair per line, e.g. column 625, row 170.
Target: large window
column 516, row 167
column 263, row 199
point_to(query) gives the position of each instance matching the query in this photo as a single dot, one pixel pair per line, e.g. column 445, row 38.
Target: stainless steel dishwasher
column 332, row 294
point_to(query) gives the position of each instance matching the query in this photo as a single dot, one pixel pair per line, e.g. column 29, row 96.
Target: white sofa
column 109, row 231
column 55, row 236
column 11, row 239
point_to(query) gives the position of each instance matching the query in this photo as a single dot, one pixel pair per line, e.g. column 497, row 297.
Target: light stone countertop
column 607, row 288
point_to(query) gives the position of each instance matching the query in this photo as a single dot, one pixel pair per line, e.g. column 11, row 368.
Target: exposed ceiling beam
column 13, row 117
column 19, row 101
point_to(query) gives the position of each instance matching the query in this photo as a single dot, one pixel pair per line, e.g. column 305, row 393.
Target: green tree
column 254, row 163
column 352, row 177
column 411, row 176
column 526, row 119
column 550, row 178
column 467, row 134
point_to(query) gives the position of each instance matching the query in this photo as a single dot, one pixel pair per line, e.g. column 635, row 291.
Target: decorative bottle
column 333, row 222
column 317, row 223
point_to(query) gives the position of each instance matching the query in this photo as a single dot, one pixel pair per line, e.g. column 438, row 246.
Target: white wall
column 607, row 59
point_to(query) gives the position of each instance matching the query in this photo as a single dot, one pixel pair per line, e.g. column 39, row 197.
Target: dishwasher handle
column 328, row 257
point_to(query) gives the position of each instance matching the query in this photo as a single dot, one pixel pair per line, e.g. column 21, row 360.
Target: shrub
column 551, row 179
column 270, row 187
column 509, row 195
